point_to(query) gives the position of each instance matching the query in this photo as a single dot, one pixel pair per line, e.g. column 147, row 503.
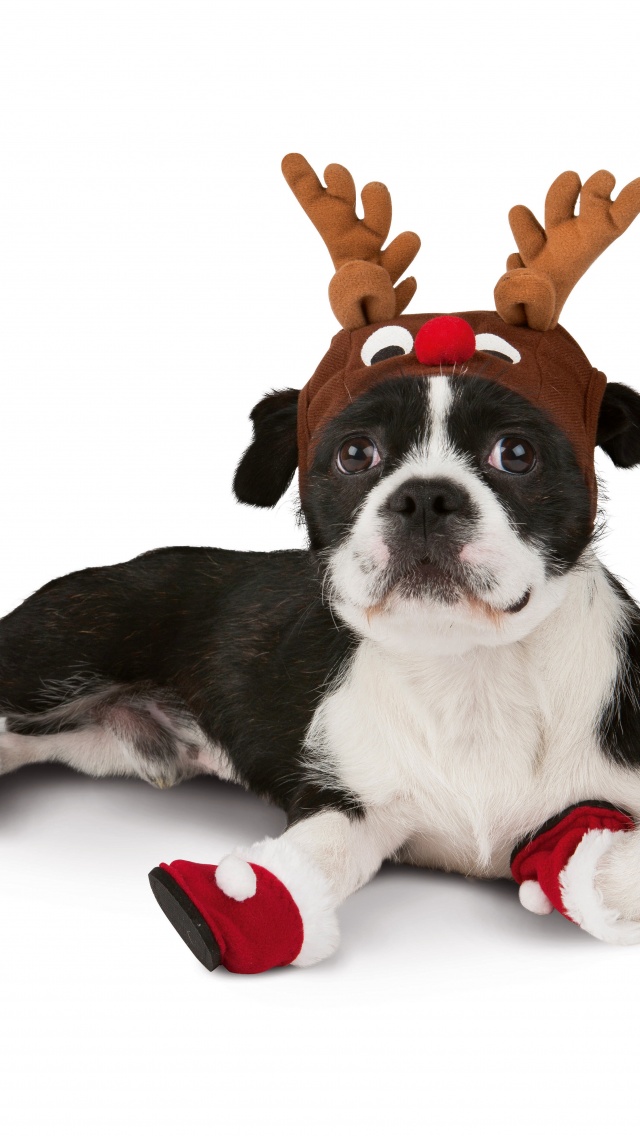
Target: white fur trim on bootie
column 583, row 901
column 309, row 890
column 236, row 878
column 534, row 899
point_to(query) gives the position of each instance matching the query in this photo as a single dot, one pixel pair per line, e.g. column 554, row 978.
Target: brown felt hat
column 549, row 369
column 573, row 404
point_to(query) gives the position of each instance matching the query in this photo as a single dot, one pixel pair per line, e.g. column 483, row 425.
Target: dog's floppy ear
column 267, row 467
column 619, row 425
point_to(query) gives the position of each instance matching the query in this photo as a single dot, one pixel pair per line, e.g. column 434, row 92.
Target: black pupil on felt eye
column 387, row 353
column 500, row 355
column 517, row 455
column 357, row 455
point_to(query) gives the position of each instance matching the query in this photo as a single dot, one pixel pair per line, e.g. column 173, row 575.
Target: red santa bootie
column 557, row 867
column 242, row 915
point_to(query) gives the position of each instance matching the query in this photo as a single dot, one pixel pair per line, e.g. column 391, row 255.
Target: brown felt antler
column 550, row 261
column 361, row 292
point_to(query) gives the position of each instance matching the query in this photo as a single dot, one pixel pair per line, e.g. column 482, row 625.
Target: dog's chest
column 454, row 744
column 473, row 750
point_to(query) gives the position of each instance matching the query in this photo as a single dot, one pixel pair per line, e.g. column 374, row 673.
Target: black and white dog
column 447, row 666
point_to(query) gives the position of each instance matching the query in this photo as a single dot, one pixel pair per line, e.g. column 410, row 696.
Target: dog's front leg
column 275, row 903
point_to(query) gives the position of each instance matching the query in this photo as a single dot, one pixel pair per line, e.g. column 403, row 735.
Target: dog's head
column 446, row 463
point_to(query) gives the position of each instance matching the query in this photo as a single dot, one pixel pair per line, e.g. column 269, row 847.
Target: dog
column 445, row 675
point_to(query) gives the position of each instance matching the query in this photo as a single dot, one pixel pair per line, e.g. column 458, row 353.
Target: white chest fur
column 474, row 750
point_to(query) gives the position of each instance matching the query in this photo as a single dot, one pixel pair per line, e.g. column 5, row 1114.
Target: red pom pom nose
column 445, row 339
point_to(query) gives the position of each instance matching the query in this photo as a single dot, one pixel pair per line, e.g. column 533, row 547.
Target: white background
column 156, row 277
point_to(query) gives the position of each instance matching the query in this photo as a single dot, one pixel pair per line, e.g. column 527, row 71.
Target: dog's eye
column 513, row 455
column 385, row 343
column 357, row 455
column 494, row 345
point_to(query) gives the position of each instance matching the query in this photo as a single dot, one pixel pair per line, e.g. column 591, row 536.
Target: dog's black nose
column 430, row 504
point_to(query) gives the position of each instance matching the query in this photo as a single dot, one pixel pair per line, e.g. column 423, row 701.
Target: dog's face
column 446, row 506
column 447, row 510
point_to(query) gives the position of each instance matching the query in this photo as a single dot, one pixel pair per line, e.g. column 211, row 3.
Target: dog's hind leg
column 91, row 750
column 275, row 902
column 117, row 730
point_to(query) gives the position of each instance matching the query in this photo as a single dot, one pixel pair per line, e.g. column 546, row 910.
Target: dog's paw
column 589, row 897
column 579, row 864
column 259, row 908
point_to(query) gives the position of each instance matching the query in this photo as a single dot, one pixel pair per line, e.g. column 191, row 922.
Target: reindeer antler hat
column 520, row 345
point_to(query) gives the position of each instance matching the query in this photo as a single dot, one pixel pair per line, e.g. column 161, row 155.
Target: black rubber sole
column 185, row 917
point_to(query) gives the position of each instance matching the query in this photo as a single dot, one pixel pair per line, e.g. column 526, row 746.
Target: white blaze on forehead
column 440, row 397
